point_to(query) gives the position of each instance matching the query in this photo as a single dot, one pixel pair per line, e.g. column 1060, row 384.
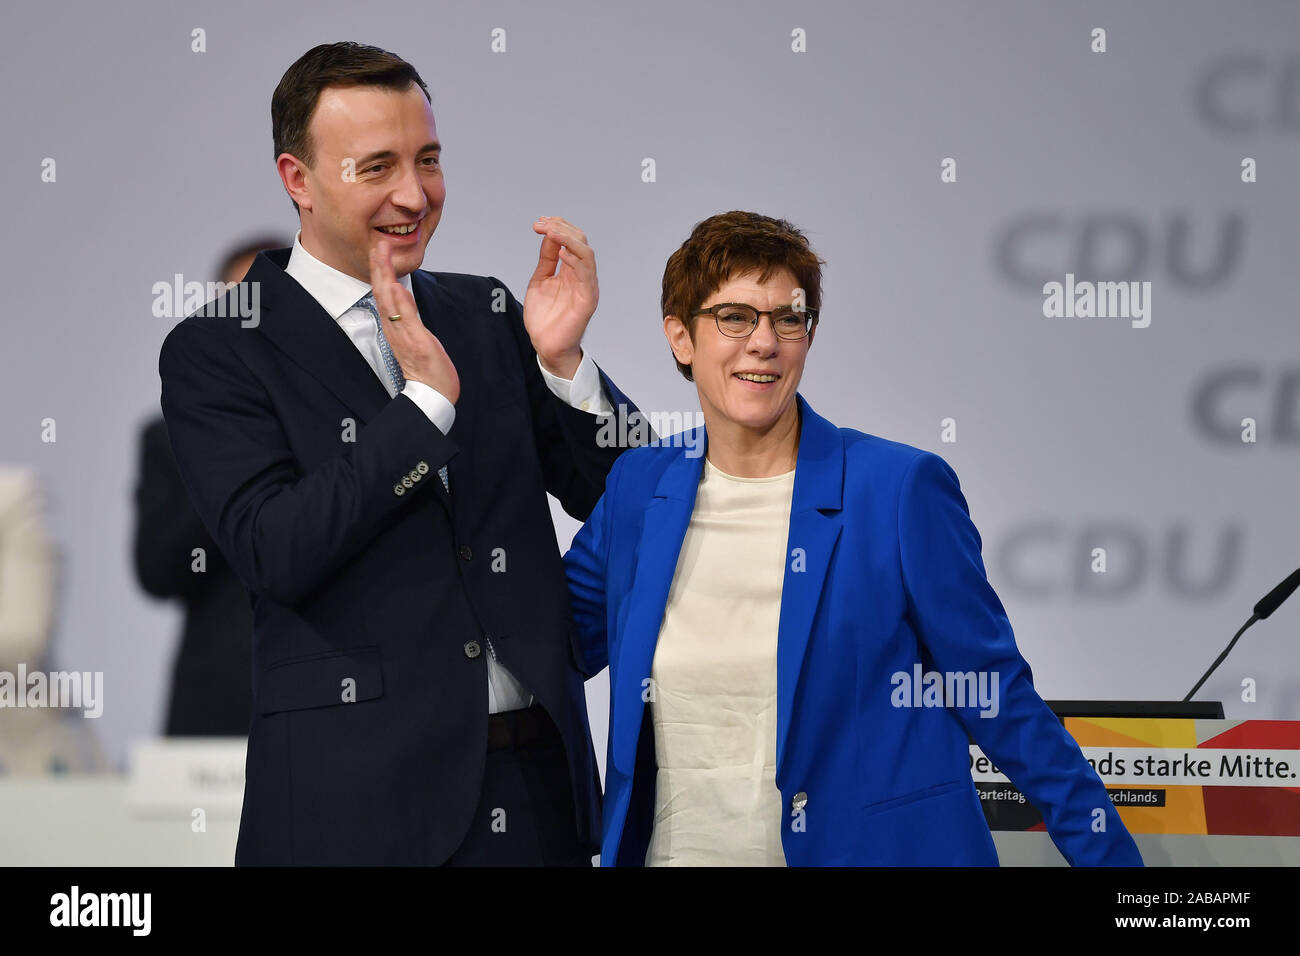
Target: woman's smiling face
column 725, row 368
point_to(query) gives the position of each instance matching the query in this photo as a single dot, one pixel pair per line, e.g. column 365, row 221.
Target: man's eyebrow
column 433, row 147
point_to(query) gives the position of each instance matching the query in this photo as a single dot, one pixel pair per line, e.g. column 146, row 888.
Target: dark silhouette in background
column 210, row 688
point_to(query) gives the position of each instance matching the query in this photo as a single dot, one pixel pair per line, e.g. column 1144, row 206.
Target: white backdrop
column 1071, row 433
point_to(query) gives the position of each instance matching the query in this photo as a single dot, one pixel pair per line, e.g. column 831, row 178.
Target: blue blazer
column 883, row 578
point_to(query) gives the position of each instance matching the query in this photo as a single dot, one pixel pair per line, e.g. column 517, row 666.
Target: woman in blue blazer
column 796, row 616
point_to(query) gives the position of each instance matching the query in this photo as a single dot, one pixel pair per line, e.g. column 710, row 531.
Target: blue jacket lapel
column 666, row 519
column 815, row 525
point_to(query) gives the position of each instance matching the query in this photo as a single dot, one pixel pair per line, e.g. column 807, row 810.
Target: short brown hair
column 731, row 244
column 330, row 64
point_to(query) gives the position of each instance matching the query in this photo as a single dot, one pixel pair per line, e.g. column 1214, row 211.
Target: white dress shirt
column 338, row 294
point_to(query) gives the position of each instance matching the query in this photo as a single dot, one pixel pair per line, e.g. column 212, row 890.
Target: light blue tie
column 390, row 363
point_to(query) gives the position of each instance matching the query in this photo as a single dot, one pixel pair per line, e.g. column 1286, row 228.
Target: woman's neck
column 752, row 453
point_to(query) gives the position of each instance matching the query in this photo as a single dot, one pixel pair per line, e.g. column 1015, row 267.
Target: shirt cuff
column 432, row 402
column 583, row 391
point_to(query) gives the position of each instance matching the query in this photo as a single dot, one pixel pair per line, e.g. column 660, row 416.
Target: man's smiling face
column 377, row 165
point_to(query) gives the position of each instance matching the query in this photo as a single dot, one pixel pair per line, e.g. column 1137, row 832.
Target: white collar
column 335, row 291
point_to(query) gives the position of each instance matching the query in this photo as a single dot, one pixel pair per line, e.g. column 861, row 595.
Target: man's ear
column 679, row 339
column 293, row 173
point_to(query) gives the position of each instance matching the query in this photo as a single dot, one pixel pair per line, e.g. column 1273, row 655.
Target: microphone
column 1271, row 601
column 1266, row 605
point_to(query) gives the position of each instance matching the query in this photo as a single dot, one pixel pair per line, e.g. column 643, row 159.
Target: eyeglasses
column 737, row 320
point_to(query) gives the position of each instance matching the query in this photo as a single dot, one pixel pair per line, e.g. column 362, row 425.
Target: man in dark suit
column 209, row 694
column 371, row 446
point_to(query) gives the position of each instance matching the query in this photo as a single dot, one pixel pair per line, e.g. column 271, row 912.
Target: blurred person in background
column 210, row 694
column 33, row 740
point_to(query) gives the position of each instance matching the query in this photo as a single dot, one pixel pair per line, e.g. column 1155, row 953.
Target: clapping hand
column 562, row 295
column 417, row 350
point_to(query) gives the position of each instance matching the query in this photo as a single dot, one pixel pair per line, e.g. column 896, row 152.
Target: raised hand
column 562, row 295
column 417, row 350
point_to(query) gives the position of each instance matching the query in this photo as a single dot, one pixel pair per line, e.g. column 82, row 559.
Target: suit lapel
column 440, row 318
column 815, row 524
column 298, row 326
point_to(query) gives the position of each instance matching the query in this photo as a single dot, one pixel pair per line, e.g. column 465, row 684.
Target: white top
column 714, row 680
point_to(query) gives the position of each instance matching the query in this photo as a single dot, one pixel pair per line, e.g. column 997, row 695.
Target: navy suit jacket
column 374, row 592
column 883, row 573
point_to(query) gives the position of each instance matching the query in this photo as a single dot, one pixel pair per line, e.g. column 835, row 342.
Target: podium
column 1192, row 787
